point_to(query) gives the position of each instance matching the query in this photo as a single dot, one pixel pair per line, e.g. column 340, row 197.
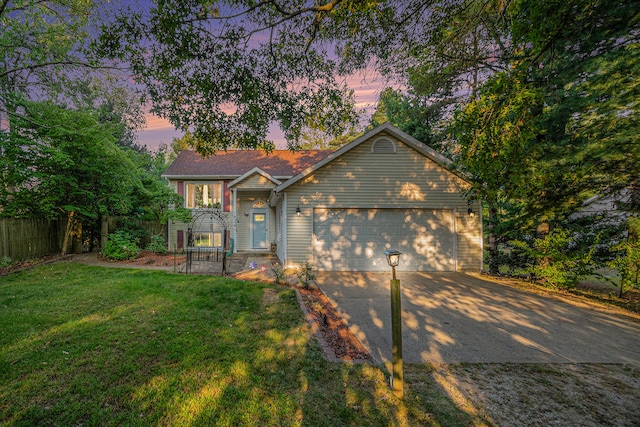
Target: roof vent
column 383, row 146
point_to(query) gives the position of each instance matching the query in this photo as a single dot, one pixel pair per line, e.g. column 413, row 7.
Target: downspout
column 284, row 230
column 235, row 221
column 455, row 239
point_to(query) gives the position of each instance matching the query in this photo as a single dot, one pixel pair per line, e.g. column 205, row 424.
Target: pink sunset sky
column 366, row 88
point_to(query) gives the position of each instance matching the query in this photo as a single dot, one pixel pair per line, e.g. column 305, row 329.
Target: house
column 336, row 210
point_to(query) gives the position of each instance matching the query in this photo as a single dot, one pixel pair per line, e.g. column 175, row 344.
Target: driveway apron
column 458, row 318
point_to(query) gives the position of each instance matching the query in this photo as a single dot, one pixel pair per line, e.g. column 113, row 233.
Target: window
column 383, row 146
column 200, row 195
column 207, row 239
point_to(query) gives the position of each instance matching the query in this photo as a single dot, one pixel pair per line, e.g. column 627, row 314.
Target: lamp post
column 397, row 382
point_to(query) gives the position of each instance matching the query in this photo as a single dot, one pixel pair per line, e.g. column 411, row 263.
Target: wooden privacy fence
column 114, row 223
column 25, row 238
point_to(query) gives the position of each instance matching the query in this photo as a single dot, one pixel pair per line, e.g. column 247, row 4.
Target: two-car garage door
column 355, row 239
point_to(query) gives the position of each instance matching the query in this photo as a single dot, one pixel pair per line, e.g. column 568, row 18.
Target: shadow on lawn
column 93, row 346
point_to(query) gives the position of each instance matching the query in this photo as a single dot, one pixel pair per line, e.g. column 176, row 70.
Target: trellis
column 207, row 216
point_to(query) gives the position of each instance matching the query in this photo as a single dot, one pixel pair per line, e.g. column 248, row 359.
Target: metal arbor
column 206, row 222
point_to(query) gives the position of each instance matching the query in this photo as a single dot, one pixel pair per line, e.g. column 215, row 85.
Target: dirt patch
column 334, row 329
column 586, row 395
column 270, row 296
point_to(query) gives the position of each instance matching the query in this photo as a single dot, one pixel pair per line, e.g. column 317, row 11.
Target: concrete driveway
column 455, row 317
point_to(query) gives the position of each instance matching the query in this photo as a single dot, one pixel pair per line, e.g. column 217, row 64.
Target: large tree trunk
column 74, row 229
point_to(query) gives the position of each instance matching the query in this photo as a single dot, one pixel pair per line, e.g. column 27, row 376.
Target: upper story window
column 199, row 195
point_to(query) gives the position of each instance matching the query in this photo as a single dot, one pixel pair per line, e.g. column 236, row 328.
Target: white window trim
column 186, row 196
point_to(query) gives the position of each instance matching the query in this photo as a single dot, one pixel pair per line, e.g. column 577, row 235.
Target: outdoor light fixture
column 393, row 257
column 246, row 213
column 470, row 212
column 397, row 380
column 298, row 211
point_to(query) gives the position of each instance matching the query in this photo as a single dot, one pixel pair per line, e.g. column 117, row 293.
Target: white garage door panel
column 355, row 239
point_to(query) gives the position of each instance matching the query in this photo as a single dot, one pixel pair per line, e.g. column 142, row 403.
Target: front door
column 259, row 236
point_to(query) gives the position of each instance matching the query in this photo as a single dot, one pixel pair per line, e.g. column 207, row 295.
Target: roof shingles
column 278, row 163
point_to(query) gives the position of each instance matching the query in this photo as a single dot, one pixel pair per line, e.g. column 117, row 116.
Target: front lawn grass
column 93, row 346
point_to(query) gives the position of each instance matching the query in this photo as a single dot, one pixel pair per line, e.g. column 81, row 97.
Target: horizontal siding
column 256, row 181
column 361, row 179
column 470, row 246
column 245, row 200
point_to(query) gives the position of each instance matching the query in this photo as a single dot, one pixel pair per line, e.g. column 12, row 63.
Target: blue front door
column 259, row 238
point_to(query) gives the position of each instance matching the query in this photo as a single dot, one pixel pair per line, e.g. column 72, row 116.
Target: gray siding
column 245, row 200
column 255, row 181
column 362, row 179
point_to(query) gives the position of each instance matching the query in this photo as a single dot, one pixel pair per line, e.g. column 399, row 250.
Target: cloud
column 157, row 123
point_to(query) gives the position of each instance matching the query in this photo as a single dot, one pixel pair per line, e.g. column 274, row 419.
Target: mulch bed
column 23, row 265
column 334, row 329
column 151, row 259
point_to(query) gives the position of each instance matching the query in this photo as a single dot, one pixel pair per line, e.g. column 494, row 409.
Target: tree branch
column 3, row 6
column 56, row 63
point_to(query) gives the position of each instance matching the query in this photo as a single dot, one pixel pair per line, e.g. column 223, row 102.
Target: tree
column 228, row 71
column 420, row 116
column 556, row 126
column 62, row 163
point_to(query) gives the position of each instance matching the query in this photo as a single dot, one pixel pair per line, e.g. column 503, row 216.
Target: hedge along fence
column 25, row 238
column 111, row 224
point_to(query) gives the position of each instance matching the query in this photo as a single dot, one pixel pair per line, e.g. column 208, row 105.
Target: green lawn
column 94, row 346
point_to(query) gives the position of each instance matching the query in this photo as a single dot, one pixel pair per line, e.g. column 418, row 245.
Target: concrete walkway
column 454, row 318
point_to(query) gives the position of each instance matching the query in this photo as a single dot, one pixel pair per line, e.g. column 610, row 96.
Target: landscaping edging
column 317, row 331
column 328, row 350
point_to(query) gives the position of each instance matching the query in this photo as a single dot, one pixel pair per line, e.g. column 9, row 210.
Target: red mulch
column 334, row 329
column 151, row 258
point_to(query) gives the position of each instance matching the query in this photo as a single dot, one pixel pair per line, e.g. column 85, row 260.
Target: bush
column 157, row 245
column 306, row 275
column 5, row 261
column 121, row 246
column 279, row 274
column 628, row 259
column 557, row 258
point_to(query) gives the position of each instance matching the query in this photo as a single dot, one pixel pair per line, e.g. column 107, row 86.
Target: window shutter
column 226, row 196
column 180, row 239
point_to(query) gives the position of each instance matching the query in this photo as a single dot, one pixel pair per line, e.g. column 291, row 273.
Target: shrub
column 121, row 246
column 279, row 274
column 5, row 261
column 557, row 258
column 157, row 245
column 306, row 275
column 628, row 260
